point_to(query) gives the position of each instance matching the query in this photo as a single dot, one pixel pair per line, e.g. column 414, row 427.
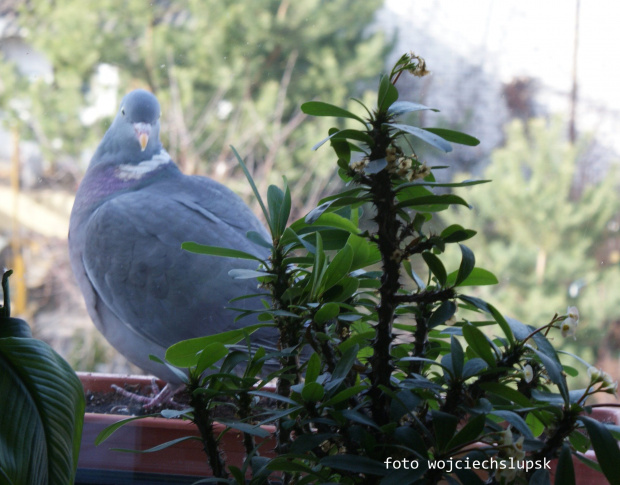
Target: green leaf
column 210, row 355
column 109, row 430
column 343, row 290
column 515, row 420
column 538, row 427
column 327, row 312
column 501, row 321
column 343, row 367
column 470, row 432
column 424, row 135
column 318, row 108
column 186, row 353
column 564, row 472
column 444, row 312
column 506, row 392
column 258, row 238
column 253, row 185
column 473, row 367
column 456, row 233
column 343, row 135
column 554, row 371
column 313, row 369
column 458, row 357
column 375, row 166
column 444, row 425
column 401, row 107
column 357, row 417
column 42, row 413
column 160, row 447
column 487, row 307
column 329, row 219
column 479, row 343
column 355, row 464
column 433, row 203
column 345, row 394
column 338, row 268
column 605, row 448
column 193, row 247
column 318, row 269
column 246, row 274
column 477, row 277
column 312, row 392
column 454, row 136
column 468, row 261
column 252, row 429
column 365, row 253
column 387, row 95
column 436, row 267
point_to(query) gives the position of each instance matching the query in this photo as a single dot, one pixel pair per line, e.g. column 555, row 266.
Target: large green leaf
column 387, row 95
column 338, row 268
column 46, row 405
column 318, row 108
column 454, row 136
column 401, row 107
column 433, row 203
column 194, row 247
column 477, row 277
column 436, row 267
column 254, row 188
column 605, row 448
column 468, row 261
column 426, row 136
column 479, row 343
column 565, row 472
column 186, row 353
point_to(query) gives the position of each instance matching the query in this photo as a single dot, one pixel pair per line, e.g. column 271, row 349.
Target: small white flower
column 528, row 373
column 569, row 328
column 507, row 438
column 594, row 373
column 607, row 379
column 573, row 312
column 519, row 453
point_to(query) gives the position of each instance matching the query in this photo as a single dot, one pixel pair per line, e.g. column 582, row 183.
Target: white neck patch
column 136, row 172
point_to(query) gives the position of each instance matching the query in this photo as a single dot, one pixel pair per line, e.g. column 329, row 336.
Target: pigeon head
column 134, row 133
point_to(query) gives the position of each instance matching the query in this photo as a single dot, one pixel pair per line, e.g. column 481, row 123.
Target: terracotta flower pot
column 180, row 463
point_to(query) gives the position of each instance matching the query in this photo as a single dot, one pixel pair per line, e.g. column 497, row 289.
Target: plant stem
column 383, row 198
column 204, row 423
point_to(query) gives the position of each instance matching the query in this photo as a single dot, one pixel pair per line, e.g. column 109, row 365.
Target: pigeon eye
column 123, row 111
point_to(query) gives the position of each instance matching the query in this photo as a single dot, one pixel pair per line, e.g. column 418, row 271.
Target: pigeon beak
column 143, row 131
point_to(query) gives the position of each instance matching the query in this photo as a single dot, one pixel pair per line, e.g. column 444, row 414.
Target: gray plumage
column 132, row 211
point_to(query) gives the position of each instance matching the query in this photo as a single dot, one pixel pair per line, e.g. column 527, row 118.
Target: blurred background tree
column 543, row 233
column 225, row 73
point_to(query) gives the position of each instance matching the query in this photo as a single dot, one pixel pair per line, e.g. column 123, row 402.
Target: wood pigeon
column 132, row 211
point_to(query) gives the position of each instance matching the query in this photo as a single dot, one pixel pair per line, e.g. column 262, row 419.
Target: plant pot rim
column 185, row 458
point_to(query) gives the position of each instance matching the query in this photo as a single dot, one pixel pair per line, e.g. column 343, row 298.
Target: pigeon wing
column 134, row 261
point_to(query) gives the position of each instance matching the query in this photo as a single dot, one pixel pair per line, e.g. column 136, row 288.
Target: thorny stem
column 383, row 198
column 204, row 422
column 245, row 402
column 290, row 331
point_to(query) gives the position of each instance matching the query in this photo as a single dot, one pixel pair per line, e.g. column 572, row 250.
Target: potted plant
column 389, row 371
column 176, row 431
column 42, row 406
